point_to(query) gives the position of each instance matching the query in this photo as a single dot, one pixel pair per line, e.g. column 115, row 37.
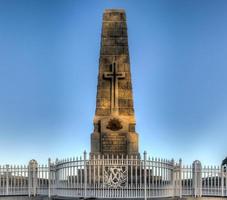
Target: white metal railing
column 113, row 177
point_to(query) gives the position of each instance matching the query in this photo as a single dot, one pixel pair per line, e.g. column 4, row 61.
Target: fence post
column 33, row 176
column 56, row 177
column 85, row 173
column 173, row 178
column 7, row 179
column 180, row 178
column 197, row 178
column 222, row 181
column 29, row 182
column 225, row 180
column 49, row 177
column 145, row 175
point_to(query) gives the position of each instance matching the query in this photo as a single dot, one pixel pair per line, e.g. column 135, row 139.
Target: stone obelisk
column 114, row 121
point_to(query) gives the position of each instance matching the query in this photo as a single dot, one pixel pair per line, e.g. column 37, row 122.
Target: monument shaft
column 114, row 121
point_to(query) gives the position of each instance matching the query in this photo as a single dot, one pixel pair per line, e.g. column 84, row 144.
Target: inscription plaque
column 114, row 143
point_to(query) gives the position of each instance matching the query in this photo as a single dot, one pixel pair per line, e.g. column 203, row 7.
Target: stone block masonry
column 114, row 121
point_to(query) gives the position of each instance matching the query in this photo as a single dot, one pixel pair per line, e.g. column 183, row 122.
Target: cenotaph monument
column 114, row 120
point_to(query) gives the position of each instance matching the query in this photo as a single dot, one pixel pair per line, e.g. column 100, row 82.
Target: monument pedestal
column 112, row 135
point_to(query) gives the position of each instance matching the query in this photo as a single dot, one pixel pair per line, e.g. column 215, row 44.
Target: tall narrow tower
column 114, row 121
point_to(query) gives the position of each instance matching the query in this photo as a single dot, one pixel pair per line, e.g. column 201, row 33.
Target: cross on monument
column 114, row 75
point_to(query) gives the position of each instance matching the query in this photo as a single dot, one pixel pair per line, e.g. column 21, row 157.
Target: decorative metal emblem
column 115, row 177
column 114, row 124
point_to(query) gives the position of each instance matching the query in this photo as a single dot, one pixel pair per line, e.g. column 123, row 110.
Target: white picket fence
column 113, row 177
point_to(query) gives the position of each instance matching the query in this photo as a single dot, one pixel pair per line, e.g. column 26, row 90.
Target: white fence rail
column 113, row 177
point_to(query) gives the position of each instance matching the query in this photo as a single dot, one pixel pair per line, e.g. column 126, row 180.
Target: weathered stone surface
column 114, row 121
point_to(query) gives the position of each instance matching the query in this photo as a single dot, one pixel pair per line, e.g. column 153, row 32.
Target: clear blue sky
column 49, row 53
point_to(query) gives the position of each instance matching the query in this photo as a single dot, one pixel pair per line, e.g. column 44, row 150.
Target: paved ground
column 61, row 198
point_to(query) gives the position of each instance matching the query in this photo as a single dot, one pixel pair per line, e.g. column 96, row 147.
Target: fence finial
column 85, row 155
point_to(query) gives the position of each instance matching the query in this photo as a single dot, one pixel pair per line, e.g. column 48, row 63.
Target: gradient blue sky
column 49, row 53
